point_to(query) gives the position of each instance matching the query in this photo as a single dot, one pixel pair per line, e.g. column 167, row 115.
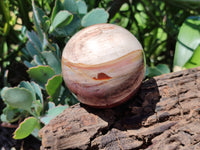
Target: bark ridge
column 165, row 114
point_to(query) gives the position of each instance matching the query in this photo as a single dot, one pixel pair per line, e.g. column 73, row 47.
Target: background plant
column 34, row 33
column 43, row 96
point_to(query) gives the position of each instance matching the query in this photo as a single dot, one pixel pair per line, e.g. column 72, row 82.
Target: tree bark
column 165, row 114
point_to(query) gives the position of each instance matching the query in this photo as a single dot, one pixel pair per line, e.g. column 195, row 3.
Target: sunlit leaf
column 41, row 74
column 188, row 40
column 25, row 128
column 53, row 87
column 194, row 61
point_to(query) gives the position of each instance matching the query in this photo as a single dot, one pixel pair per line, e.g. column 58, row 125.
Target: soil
column 7, row 142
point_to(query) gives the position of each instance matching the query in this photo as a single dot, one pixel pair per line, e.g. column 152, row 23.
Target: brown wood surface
column 164, row 115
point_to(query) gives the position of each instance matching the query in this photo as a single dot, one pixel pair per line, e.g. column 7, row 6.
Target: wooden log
column 165, row 114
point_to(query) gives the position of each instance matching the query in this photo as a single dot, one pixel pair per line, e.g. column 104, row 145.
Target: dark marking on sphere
column 102, row 76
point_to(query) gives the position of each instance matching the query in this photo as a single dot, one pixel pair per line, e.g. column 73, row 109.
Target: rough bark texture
column 165, row 114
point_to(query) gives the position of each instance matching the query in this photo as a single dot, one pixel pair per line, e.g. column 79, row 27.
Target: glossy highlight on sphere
column 103, row 65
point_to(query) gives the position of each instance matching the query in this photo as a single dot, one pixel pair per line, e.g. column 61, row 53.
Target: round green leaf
column 61, row 19
column 41, row 73
column 82, row 7
column 18, row 97
column 95, row 16
column 70, row 5
column 25, row 128
column 53, row 87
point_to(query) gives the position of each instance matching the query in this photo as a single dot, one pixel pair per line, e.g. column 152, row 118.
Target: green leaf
column 37, row 107
column 31, row 49
column 38, row 92
column 46, row 43
column 140, row 16
column 70, row 29
column 28, row 86
column 46, row 24
column 25, row 53
column 82, row 7
column 57, row 7
column 52, row 113
column 53, row 87
column 37, row 60
column 52, row 61
column 41, row 74
column 57, row 50
column 3, row 118
column 18, row 97
column 95, row 16
column 41, row 22
column 35, row 133
column 10, row 114
column 71, row 100
column 28, row 64
column 51, row 105
column 34, row 39
column 61, row 19
column 158, row 70
column 194, row 61
column 25, row 128
column 70, row 5
column 37, row 18
column 188, row 40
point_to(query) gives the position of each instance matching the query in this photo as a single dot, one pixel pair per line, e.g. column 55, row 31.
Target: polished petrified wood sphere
column 103, row 65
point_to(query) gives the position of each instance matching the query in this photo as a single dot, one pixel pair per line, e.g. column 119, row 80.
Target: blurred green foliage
column 34, row 33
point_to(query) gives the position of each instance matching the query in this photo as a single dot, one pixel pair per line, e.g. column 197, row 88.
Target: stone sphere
column 103, row 65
